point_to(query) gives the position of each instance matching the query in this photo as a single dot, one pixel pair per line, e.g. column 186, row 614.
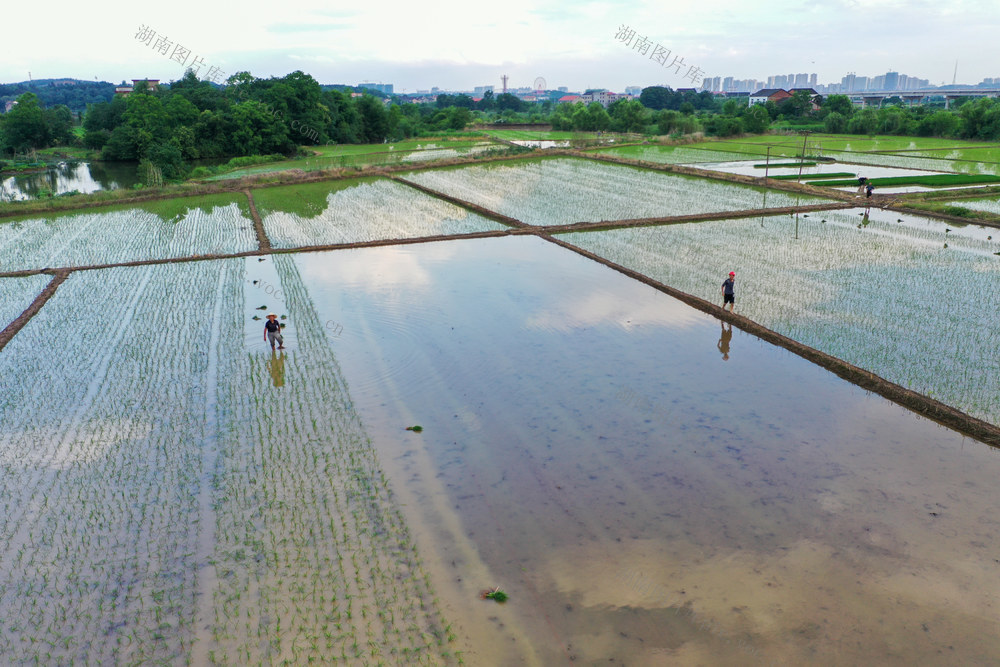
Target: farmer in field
column 862, row 181
column 868, row 189
column 272, row 331
column 729, row 291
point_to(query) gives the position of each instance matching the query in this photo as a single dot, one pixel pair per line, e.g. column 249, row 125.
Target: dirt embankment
column 263, row 243
column 11, row 330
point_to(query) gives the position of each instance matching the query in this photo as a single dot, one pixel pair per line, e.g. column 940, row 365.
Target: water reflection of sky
column 610, row 476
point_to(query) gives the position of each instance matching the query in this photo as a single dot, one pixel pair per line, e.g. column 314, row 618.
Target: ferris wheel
column 539, row 84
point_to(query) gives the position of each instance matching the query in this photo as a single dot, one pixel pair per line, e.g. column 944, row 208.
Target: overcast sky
column 460, row 44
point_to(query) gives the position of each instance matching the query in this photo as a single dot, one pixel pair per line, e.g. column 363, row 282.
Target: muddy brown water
column 646, row 487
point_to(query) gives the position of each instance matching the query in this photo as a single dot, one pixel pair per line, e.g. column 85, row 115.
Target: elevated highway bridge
column 876, row 97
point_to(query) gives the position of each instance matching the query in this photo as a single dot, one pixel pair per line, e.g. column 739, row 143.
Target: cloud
column 282, row 28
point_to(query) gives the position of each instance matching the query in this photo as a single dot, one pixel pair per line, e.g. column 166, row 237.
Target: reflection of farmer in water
column 724, row 338
column 276, row 366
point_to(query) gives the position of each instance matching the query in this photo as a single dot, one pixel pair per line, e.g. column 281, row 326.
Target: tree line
column 190, row 119
column 75, row 95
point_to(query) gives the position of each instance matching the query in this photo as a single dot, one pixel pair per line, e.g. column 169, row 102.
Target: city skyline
column 456, row 46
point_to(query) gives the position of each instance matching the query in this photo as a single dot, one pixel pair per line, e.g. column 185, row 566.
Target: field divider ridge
column 21, row 320
column 923, row 405
column 263, row 242
column 475, row 208
column 694, row 217
column 740, row 179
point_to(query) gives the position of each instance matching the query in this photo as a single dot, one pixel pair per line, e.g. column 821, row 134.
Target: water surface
column 66, row 177
column 648, row 488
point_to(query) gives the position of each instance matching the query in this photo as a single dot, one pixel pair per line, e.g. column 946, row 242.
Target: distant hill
column 74, row 93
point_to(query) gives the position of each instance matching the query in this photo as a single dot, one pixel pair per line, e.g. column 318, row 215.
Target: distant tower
column 504, row 79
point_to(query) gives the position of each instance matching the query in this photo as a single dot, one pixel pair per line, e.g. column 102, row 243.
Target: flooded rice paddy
column 16, row 294
column 154, row 230
column 648, row 485
column 564, row 191
column 906, row 297
column 357, row 211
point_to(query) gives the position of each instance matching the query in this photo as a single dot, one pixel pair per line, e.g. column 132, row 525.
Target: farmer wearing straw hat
column 729, row 291
column 272, row 331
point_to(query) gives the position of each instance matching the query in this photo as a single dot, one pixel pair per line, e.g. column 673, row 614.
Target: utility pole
column 805, row 134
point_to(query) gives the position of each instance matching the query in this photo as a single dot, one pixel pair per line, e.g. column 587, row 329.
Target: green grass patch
column 953, row 209
column 959, row 211
column 306, row 200
column 675, row 154
column 58, row 153
column 970, row 194
column 338, row 150
column 346, row 156
column 235, row 163
column 931, row 181
column 170, row 210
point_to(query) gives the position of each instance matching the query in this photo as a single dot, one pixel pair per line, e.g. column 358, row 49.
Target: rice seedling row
column 906, row 300
column 973, row 153
column 386, row 156
column 16, row 294
column 158, row 484
column 857, row 143
column 676, row 154
column 313, row 559
column 100, row 459
column 564, row 191
column 856, row 153
column 991, row 205
column 367, row 211
column 126, row 234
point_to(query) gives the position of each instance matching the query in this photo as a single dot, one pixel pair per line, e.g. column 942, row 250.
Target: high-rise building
column 712, row 84
column 384, row 88
column 727, row 84
column 812, row 80
column 890, row 81
column 801, row 80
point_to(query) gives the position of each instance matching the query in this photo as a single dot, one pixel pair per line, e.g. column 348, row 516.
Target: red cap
column 732, row 273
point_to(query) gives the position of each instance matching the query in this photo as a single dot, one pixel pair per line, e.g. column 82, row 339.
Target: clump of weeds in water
column 496, row 595
column 415, row 429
